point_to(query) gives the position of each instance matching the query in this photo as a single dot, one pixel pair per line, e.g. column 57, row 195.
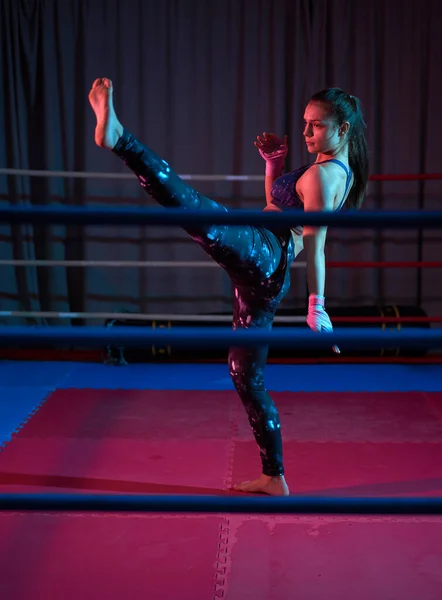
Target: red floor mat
column 334, row 558
column 90, row 557
column 107, row 441
column 357, row 416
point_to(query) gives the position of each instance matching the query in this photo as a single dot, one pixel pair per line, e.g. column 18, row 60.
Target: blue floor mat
column 24, row 385
column 40, row 374
column 16, row 405
column 308, row 378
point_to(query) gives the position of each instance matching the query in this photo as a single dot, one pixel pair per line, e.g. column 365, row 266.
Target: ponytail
column 348, row 108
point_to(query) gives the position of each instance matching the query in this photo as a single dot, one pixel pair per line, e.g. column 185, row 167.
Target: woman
column 257, row 259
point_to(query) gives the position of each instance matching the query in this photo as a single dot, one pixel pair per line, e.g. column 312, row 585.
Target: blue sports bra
column 284, row 194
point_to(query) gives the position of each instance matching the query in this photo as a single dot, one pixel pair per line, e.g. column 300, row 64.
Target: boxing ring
column 105, row 493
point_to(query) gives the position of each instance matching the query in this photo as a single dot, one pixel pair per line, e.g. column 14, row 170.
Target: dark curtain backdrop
column 198, row 80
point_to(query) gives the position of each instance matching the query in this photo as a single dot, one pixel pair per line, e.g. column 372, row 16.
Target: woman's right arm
column 273, row 150
column 268, row 184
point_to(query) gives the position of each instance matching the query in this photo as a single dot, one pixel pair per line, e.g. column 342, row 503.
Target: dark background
column 197, row 80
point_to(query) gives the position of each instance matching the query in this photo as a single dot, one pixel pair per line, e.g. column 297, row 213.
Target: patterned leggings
column 258, row 263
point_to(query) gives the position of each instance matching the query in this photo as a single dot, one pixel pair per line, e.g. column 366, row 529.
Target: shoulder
column 318, row 186
column 323, row 174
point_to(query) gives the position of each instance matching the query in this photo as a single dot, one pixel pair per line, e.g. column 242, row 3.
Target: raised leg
column 257, row 260
column 247, row 253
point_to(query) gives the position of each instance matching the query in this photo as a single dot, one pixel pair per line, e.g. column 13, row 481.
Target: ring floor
column 349, row 430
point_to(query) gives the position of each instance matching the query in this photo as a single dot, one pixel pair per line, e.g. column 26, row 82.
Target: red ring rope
column 406, row 177
column 432, row 359
column 385, row 264
column 386, row 319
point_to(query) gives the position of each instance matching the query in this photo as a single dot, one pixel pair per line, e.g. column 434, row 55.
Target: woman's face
column 321, row 131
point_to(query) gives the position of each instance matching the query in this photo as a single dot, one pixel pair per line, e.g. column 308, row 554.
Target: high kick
column 256, row 259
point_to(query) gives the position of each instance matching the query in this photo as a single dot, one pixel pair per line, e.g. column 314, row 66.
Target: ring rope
column 45, row 215
column 207, row 264
column 133, row 316
column 212, row 503
column 200, row 318
column 218, row 337
column 221, row 504
column 101, row 175
column 410, row 264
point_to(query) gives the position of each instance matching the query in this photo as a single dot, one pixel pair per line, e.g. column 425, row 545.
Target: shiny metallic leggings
column 257, row 261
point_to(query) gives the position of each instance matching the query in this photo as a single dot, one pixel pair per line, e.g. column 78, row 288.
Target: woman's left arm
column 318, row 191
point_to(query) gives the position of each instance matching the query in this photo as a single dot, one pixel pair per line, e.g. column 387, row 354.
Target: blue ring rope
column 224, row 504
column 44, row 215
column 216, row 337
column 210, row 336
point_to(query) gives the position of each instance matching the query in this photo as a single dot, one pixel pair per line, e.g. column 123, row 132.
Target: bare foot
column 273, row 486
column 109, row 128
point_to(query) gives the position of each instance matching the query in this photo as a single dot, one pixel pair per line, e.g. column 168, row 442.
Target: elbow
column 271, row 206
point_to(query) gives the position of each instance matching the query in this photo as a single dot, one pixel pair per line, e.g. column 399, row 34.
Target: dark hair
column 348, row 108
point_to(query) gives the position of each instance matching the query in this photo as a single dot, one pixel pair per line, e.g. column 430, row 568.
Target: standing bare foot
column 273, row 486
column 109, row 128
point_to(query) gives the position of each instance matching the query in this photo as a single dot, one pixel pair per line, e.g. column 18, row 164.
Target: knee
column 246, row 377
